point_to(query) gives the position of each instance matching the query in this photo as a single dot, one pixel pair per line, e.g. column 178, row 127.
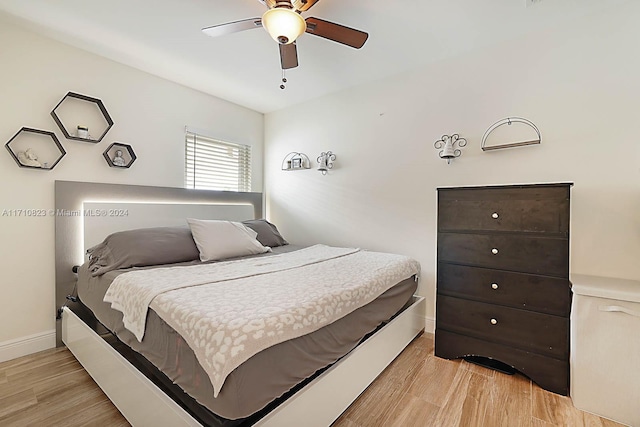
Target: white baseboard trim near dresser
column 30, row 344
column 430, row 325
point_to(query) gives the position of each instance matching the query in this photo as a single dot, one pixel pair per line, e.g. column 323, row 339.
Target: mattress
column 265, row 376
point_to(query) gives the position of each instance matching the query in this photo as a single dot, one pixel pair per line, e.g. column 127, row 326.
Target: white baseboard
column 430, row 325
column 23, row 346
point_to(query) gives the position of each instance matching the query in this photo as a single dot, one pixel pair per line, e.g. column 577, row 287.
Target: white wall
column 149, row 113
column 580, row 84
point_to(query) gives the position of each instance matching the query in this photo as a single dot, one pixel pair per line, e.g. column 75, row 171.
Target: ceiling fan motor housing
column 284, row 3
column 283, row 23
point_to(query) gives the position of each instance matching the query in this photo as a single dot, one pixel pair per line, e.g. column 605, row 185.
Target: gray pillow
column 268, row 234
column 142, row 247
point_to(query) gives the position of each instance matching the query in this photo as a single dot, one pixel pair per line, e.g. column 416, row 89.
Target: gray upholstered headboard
column 87, row 212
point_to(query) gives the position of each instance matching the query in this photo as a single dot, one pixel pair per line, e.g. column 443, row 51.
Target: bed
column 298, row 379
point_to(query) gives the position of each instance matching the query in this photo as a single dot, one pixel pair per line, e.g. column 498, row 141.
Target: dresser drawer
column 548, row 372
column 537, row 332
column 529, row 209
column 527, row 254
column 526, row 291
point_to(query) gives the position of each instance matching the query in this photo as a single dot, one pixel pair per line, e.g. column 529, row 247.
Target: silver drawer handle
column 494, row 286
column 495, row 215
column 494, row 251
column 494, row 322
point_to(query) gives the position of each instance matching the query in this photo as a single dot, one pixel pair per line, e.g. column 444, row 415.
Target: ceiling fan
column 284, row 23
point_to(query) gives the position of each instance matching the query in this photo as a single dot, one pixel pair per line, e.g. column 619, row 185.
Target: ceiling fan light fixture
column 283, row 24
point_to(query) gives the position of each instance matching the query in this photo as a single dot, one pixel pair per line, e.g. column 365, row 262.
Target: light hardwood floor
column 418, row 389
column 50, row 388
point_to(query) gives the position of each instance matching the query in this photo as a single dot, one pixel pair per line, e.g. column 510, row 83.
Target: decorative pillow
column 224, row 239
column 268, row 234
column 142, row 247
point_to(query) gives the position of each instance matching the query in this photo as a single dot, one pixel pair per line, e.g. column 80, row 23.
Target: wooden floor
column 419, row 389
column 51, row 389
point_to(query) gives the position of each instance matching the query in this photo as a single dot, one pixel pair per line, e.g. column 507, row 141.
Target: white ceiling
column 163, row 37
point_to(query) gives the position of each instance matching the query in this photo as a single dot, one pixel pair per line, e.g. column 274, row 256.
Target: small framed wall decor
column 119, row 155
column 295, row 161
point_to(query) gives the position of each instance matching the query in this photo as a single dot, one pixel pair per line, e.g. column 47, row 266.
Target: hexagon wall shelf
column 119, row 155
column 44, row 157
column 64, row 111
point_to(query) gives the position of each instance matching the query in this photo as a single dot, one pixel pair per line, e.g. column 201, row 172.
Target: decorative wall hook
column 447, row 145
column 325, row 161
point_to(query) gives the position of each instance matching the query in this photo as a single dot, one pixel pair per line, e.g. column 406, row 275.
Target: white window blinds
column 216, row 165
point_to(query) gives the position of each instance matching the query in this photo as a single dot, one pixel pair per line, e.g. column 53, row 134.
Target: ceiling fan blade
column 232, row 27
column 269, row 3
column 336, row 32
column 288, row 56
column 304, row 5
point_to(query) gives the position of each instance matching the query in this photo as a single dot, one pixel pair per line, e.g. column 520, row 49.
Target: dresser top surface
column 478, row 187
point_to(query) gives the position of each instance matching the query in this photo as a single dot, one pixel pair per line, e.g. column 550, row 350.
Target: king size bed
column 285, row 335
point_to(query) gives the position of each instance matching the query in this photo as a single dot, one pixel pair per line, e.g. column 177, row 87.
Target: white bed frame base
column 141, row 402
column 318, row 404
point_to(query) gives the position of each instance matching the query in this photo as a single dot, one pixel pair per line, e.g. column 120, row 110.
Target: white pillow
column 224, row 239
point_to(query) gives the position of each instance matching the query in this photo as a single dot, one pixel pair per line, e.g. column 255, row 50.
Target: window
column 211, row 164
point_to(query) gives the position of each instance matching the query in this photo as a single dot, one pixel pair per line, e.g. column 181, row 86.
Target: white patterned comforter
column 230, row 311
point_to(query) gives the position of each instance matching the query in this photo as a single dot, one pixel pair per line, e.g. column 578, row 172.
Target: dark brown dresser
column 503, row 290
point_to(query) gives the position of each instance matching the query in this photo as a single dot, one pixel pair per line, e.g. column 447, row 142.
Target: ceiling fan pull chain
column 284, row 80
